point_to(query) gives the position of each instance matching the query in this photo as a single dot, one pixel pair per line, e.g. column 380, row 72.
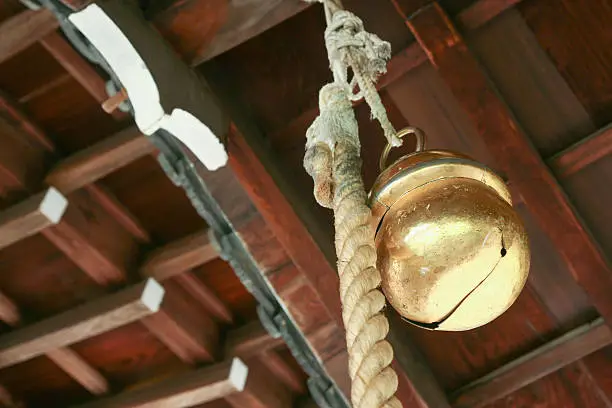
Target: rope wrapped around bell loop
column 333, row 160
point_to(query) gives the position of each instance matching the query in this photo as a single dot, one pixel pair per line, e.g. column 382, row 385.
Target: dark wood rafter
column 184, row 390
column 31, row 216
column 179, row 256
column 198, row 324
column 552, row 356
column 69, row 361
column 99, row 160
column 25, row 29
column 80, row 323
column 513, row 152
column 78, row 68
column 582, row 154
column 107, row 256
column 475, row 16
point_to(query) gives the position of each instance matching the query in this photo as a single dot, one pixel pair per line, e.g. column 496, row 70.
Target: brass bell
column 452, row 252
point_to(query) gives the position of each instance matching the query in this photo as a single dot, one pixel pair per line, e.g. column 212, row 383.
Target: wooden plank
column 412, row 56
column 250, row 340
column 582, row 154
column 22, row 161
column 260, row 392
column 247, row 20
column 284, row 222
column 31, row 216
column 513, row 153
column 23, row 30
column 80, row 323
column 66, row 359
column 78, row 68
column 183, row 390
column 536, row 93
column 80, row 370
column 481, row 11
column 94, row 163
column 94, row 241
column 283, row 371
column 9, row 312
column 119, row 212
column 574, row 35
column 191, row 335
column 532, row 366
column 206, row 297
column 179, row 256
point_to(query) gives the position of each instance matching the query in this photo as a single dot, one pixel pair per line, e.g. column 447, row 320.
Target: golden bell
column 452, row 252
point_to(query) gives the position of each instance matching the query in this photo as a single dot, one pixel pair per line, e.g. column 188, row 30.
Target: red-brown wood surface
column 548, row 61
column 119, row 225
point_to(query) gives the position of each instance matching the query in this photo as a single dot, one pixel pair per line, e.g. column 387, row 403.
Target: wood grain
column 80, row 370
column 23, row 161
column 183, row 390
column 94, row 241
column 246, row 20
column 574, row 35
column 94, row 163
column 25, row 29
column 205, row 296
column 192, row 335
column 281, row 370
column 514, row 154
column 530, row 367
column 78, row 68
column 582, row 154
column 259, row 392
column 179, row 256
column 250, row 340
column 31, row 216
column 80, row 323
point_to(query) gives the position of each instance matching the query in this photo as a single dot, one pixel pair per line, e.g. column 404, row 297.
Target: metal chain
column 181, row 170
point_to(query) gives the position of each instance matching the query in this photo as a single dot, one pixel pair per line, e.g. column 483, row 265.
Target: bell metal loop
column 410, row 130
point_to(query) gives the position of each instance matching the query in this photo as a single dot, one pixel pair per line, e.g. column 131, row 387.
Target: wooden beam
column 250, row 340
column 23, row 30
column 513, row 152
column 247, row 20
column 31, row 216
column 583, row 153
column 183, row 390
column 80, row 323
column 78, row 68
column 179, row 256
column 411, row 57
column 283, row 220
column 94, row 241
column 209, row 300
column 66, row 359
column 537, row 364
column 79, row 370
column 96, row 162
column 287, row 375
column 260, row 392
column 22, row 162
column 191, row 335
column 9, row 312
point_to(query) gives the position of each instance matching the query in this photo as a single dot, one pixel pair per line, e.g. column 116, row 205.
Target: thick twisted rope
column 333, row 161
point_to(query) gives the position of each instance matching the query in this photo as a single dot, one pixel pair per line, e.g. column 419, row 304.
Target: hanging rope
column 333, row 161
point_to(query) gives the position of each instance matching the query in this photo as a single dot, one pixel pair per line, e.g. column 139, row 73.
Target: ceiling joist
column 80, row 323
column 511, row 149
column 183, row 390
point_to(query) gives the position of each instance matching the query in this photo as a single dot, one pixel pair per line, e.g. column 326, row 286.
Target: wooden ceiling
column 523, row 86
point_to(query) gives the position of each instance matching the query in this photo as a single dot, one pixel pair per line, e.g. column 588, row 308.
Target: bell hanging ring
column 452, row 252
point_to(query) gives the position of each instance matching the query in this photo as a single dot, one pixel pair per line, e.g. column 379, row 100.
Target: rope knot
column 346, row 32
